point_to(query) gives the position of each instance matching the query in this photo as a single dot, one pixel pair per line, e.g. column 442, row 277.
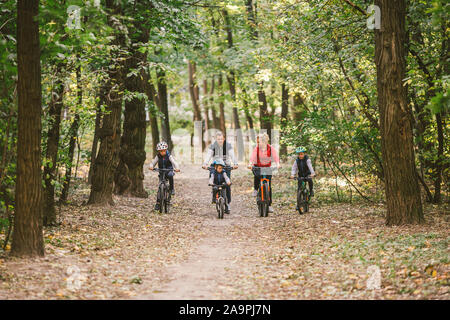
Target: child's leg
column 310, row 183
column 171, row 183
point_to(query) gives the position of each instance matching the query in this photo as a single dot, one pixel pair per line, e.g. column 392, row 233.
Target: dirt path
column 197, row 278
column 129, row 251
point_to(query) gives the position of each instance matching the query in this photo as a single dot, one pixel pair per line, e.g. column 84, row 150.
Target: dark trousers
column 257, row 185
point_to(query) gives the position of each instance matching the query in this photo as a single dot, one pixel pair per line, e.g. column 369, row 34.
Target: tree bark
column 51, row 156
column 216, row 121
column 403, row 200
column 73, row 134
column 27, row 238
column 164, row 106
column 108, row 154
column 284, row 115
column 221, row 107
column 98, row 120
column 129, row 178
column 150, row 91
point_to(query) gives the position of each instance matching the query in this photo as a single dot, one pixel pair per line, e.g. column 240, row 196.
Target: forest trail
column 196, row 278
column 129, row 251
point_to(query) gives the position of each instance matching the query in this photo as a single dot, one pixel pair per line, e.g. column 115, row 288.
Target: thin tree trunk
column 108, row 154
column 284, row 114
column 51, row 156
column 153, row 96
column 98, row 120
column 216, row 121
column 403, row 200
column 27, row 238
column 73, row 134
column 164, row 107
column 221, row 107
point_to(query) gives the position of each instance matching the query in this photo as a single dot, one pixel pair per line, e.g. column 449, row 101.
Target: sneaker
column 227, row 209
column 270, row 209
column 311, row 193
column 255, row 193
column 172, row 192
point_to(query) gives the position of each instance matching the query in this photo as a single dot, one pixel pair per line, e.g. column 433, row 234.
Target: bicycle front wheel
column 167, row 202
column 300, row 201
column 266, row 200
column 221, row 208
column 162, row 198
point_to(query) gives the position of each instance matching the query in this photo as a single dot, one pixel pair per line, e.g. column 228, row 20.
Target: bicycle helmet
column 162, row 146
column 300, row 149
column 219, row 162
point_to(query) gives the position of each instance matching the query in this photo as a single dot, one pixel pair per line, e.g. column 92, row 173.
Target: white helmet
column 162, row 146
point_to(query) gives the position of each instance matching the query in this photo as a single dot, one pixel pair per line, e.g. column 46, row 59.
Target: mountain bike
column 303, row 195
column 263, row 196
column 221, row 198
column 163, row 197
column 221, row 195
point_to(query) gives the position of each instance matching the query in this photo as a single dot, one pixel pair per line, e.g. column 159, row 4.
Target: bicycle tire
column 305, row 201
column 221, row 208
column 162, row 198
column 299, row 202
column 167, row 202
column 266, row 200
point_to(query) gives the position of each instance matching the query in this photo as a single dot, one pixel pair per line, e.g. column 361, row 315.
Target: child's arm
column 174, row 163
column 308, row 162
column 153, row 163
column 294, row 169
column 227, row 180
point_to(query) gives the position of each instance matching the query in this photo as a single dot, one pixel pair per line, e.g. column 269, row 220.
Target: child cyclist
column 165, row 160
column 219, row 176
column 302, row 165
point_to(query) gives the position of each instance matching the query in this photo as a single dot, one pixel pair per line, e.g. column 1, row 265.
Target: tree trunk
column 221, row 107
column 27, row 238
column 206, row 110
column 54, row 114
column 108, row 154
column 264, row 116
column 216, row 121
column 440, row 159
column 129, row 179
column 297, row 103
column 153, row 96
column 284, row 114
column 98, row 120
column 164, row 107
column 402, row 189
column 73, row 134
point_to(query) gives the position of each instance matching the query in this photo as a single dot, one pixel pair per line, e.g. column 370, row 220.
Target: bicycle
column 221, row 195
column 263, row 196
column 221, row 198
column 164, row 196
column 303, row 195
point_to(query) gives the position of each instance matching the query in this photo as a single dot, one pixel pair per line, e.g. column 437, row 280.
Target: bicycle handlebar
column 302, row 178
column 218, row 185
column 162, row 170
column 224, row 168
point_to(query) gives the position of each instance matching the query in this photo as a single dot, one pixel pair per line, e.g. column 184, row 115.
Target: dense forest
column 88, row 89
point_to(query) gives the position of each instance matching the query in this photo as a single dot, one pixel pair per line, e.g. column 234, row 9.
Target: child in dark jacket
column 165, row 160
column 303, row 167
